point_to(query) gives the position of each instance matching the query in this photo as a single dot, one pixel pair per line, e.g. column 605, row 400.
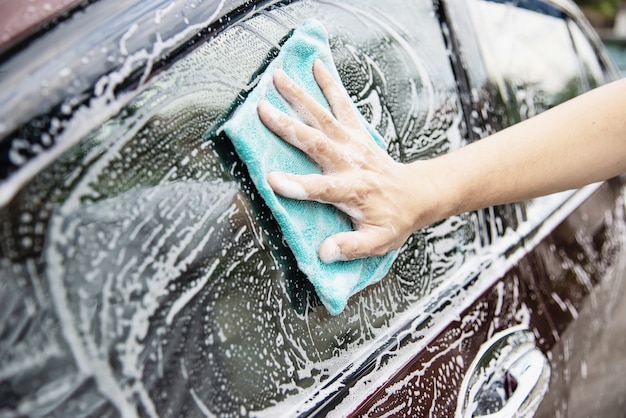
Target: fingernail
column 266, row 106
column 278, row 73
column 271, row 113
column 286, row 187
column 330, row 252
column 319, row 65
column 281, row 76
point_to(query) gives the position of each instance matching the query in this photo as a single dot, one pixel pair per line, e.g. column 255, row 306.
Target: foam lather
column 304, row 224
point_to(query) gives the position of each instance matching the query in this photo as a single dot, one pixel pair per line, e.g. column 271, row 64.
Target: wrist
column 432, row 194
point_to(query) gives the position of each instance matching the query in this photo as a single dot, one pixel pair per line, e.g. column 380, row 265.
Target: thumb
column 351, row 245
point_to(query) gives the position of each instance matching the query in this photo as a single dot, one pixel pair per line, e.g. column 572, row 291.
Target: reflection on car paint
column 161, row 266
column 534, row 71
column 434, row 373
column 434, row 390
column 143, row 275
column 76, row 88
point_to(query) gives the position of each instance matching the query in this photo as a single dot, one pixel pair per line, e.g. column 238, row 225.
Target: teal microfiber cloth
column 304, row 224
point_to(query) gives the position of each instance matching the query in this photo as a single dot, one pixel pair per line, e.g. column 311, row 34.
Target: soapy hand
column 387, row 201
column 358, row 177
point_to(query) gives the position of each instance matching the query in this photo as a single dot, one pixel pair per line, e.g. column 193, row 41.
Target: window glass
column 587, row 54
column 616, row 49
column 529, row 52
column 529, row 55
column 141, row 272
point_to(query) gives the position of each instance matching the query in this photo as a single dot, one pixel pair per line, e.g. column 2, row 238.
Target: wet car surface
column 142, row 274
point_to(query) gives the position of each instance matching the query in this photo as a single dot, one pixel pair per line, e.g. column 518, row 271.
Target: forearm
column 576, row 143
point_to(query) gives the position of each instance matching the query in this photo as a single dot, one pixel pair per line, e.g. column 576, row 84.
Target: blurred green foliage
column 606, row 8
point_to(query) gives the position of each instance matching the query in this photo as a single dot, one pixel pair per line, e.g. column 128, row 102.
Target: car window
column 616, row 49
column 142, row 267
column 535, row 56
column 529, row 53
column 593, row 68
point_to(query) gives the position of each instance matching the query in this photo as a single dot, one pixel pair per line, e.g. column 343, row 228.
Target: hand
column 358, row 177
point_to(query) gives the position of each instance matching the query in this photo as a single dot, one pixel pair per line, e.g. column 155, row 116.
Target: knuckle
column 359, row 191
column 326, row 119
column 326, row 190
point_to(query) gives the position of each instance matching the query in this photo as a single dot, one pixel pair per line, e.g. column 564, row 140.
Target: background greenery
column 601, row 12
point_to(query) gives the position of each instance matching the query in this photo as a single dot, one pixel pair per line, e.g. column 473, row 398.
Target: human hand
column 358, row 177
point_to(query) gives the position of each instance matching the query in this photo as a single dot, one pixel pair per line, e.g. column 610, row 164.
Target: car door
column 552, row 55
column 503, row 64
column 141, row 272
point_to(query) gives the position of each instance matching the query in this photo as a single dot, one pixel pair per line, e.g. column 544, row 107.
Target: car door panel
column 142, row 274
column 155, row 263
column 430, row 384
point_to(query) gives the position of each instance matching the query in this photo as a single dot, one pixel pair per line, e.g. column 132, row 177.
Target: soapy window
column 142, row 273
column 528, row 49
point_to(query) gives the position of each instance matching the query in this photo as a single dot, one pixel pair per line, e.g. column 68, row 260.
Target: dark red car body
column 523, row 313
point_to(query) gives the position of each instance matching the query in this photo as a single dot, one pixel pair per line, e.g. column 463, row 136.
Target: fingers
column 284, row 126
column 363, row 242
column 322, row 135
column 335, row 94
column 286, row 186
column 355, row 244
column 311, row 112
column 319, row 188
column 308, row 108
column 335, row 141
column 329, row 252
column 311, row 141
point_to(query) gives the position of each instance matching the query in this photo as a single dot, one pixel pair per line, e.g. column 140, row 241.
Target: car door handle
column 508, row 378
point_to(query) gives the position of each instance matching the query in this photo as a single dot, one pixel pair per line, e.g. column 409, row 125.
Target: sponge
column 304, row 224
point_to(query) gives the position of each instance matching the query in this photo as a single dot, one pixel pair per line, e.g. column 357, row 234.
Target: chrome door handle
column 508, row 378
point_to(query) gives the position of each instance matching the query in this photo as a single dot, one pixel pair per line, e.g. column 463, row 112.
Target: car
column 141, row 274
